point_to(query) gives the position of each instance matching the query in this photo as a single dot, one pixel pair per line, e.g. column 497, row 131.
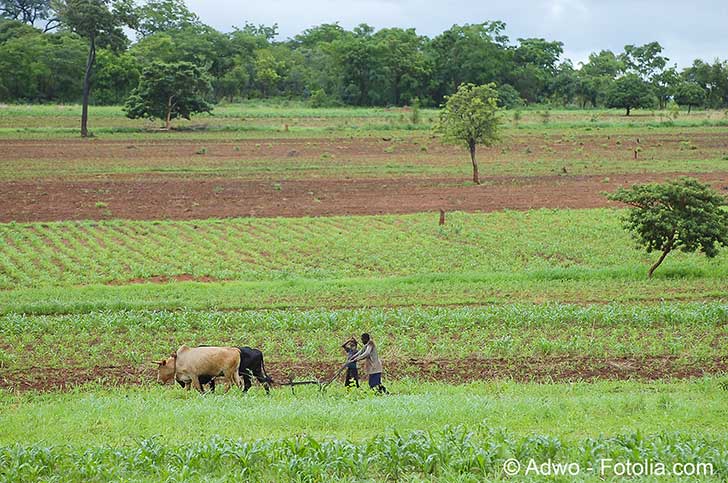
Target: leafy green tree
column 41, row 67
column 30, row 12
column 359, row 58
column 713, row 78
column 477, row 54
column 565, row 84
column 664, row 85
column 403, row 63
column 162, row 16
column 629, row 92
column 682, row 214
column 508, row 97
column 535, row 66
column 470, row 117
column 267, row 71
column 115, row 77
column 596, row 75
column 689, row 94
column 170, row 91
column 97, row 21
column 644, row 60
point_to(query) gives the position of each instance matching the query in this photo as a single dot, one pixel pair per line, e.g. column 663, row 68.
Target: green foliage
column 514, row 332
column 29, row 12
column 170, row 91
column 470, row 117
column 689, row 94
column 318, row 98
column 101, row 21
column 156, row 16
column 35, row 67
column 362, row 66
column 683, row 214
column 453, row 454
column 630, row 92
column 508, row 97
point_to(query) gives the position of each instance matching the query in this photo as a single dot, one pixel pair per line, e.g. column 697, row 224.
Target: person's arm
column 362, row 354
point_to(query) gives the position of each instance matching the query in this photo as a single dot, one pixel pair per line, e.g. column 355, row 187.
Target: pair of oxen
column 199, row 366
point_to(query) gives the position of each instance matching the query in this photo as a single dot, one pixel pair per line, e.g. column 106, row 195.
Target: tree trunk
column 667, row 250
column 690, row 106
column 476, row 176
column 168, row 117
column 87, row 84
column 628, row 109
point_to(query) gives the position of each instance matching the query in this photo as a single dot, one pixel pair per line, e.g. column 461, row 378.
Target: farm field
column 524, row 327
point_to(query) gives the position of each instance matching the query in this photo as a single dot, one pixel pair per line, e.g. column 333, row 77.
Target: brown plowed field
column 180, row 198
column 541, row 369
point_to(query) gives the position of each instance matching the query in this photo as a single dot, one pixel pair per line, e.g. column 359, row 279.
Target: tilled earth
column 536, row 369
column 184, row 199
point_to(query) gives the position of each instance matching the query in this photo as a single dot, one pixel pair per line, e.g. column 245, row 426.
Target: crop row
column 690, row 332
column 451, row 455
column 70, row 253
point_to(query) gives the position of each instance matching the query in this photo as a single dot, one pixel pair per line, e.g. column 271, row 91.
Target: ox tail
column 268, row 379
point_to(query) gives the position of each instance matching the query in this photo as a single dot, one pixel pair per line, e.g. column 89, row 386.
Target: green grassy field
column 575, row 355
column 353, row 435
column 296, row 120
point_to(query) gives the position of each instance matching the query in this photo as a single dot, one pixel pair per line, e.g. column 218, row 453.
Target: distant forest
column 43, row 60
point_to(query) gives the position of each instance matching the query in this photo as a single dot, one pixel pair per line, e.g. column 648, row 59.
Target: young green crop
column 427, row 431
column 575, row 243
column 687, row 336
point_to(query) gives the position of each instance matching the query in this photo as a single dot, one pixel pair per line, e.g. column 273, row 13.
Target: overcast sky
column 687, row 29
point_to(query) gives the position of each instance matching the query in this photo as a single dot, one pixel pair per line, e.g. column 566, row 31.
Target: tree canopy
column 170, row 91
column 470, row 117
column 361, row 66
column 681, row 215
column 630, row 92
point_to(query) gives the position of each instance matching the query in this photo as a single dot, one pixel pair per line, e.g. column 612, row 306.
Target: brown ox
column 189, row 364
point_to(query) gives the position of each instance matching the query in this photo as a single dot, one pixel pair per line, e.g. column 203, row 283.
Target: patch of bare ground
column 185, row 199
column 456, row 371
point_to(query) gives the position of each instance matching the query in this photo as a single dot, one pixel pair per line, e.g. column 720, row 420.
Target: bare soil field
column 687, row 144
column 180, row 199
column 457, row 371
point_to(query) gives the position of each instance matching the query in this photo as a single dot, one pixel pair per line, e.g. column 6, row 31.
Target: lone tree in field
column 99, row 21
column 683, row 214
column 630, row 92
column 170, row 91
column 470, row 117
column 689, row 94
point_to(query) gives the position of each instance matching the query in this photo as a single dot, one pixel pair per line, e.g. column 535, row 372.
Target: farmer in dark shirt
column 352, row 373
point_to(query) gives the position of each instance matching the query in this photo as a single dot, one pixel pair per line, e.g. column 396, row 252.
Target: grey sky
column 686, row 29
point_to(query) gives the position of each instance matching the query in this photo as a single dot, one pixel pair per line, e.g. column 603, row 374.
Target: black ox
column 251, row 365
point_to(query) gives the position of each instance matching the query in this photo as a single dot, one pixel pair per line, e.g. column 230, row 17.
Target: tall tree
column 99, row 21
column 470, row 117
column 683, row 214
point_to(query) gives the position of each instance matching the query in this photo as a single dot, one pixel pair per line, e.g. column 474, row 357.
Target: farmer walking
column 372, row 364
column 352, row 373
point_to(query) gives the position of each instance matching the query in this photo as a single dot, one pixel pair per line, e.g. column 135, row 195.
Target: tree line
column 49, row 47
